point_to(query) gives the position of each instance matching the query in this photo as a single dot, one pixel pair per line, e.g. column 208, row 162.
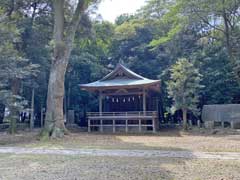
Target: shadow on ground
column 87, row 167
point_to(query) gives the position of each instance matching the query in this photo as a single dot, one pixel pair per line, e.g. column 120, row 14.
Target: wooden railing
column 122, row 119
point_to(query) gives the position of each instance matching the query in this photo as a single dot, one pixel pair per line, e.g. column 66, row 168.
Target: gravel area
column 124, row 153
column 167, row 155
column 55, row 167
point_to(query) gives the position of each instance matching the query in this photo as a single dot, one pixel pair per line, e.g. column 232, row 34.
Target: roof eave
column 94, row 88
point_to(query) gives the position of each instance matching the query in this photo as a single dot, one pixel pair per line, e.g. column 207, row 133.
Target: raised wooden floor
column 139, row 119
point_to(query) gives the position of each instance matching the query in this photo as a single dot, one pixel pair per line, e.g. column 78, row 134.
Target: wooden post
column 100, row 110
column 101, row 125
column 144, row 101
column 89, row 125
column 126, row 127
column 114, row 127
column 126, row 124
column 100, row 103
column 232, row 125
column 190, row 123
column 32, row 110
column 41, row 117
column 139, row 125
column 153, row 125
column 222, row 123
column 199, row 123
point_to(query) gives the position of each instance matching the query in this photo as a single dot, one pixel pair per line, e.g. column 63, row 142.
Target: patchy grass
column 46, row 167
column 75, row 167
column 194, row 140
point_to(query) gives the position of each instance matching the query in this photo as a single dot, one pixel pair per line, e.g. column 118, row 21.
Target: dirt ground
column 76, row 167
column 46, row 167
column 195, row 140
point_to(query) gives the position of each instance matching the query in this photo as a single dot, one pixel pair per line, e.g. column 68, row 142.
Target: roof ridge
column 124, row 69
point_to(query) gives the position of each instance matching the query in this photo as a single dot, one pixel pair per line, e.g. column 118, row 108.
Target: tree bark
column 2, row 112
column 32, row 110
column 15, row 86
column 54, row 120
column 184, row 112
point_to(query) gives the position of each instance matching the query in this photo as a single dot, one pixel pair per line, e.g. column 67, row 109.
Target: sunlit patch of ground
column 75, row 167
column 165, row 140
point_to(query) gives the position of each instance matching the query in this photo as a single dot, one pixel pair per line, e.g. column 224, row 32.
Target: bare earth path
column 173, row 155
column 125, row 153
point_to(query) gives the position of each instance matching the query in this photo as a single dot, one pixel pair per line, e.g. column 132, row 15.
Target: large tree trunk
column 184, row 112
column 54, row 120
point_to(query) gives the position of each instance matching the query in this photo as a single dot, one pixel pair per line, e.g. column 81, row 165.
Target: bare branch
column 58, row 6
column 208, row 23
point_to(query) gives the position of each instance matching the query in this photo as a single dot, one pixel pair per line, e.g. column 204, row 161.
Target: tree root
column 53, row 133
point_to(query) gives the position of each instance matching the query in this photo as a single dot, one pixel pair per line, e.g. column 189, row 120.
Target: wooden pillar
column 89, row 125
column 199, row 123
column 32, row 110
column 100, row 103
column 232, row 125
column 42, row 111
column 144, row 101
column 153, row 125
column 101, row 125
column 100, row 110
column 126, row 124
column 114, row 126
column 126, row 127
column 190, row 123
column 139, row 125
column 222, row 124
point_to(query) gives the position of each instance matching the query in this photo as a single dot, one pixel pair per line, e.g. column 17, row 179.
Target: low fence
column 141, row 120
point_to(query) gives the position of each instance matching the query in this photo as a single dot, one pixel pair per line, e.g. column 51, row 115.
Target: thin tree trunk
column 184, row 112
column 32, row 110
column 15, row 85
column 2, row 112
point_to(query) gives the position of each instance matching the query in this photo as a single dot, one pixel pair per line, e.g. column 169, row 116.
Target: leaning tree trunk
column 63, row 42
column 184, row 112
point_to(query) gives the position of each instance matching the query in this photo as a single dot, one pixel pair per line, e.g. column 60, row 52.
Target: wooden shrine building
column 125, row 102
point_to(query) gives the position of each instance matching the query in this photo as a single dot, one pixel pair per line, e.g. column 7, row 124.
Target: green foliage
column 15, row 68
column 171, row 19
column 128, row 29
column 149, row 43
column 220, row 84
column 167, row 38
column 184, row 85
